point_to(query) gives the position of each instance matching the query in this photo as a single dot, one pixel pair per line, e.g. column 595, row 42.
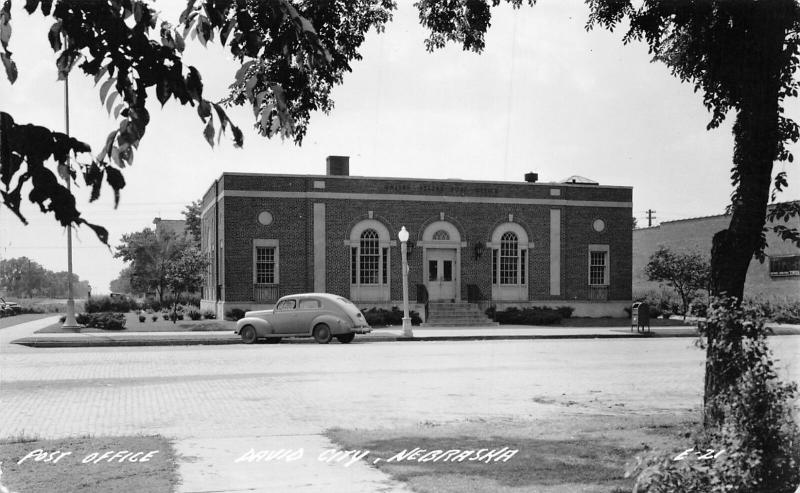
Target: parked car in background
column 319, row 315
column 9, row 307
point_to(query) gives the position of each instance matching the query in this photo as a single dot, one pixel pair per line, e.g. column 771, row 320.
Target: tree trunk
column 756, row 139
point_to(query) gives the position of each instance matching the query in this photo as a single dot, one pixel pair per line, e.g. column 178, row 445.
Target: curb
column 54, row 342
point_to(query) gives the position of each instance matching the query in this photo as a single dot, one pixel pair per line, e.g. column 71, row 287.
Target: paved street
column 220, row 401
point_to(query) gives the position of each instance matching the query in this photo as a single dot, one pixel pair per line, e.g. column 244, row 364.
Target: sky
column 545, row 96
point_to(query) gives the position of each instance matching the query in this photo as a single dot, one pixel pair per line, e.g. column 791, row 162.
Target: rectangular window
column 598, row 265
column 433, row 270
column 354, row 265
column 266, row 261
column 523, row 263
column 265, row 265
column 508, row 270
column 784, row 266
column 495, row 253
column 369, row 264
column 447, row 270
column 385, row 266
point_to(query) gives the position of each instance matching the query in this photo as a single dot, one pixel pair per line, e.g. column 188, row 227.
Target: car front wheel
column 322, row 334
column 346, row 338
column 248, row 334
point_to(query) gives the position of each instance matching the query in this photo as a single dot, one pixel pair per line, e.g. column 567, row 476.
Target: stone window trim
column 599, row 265
column 266, row 243
column 375, row 234
column 505, row 236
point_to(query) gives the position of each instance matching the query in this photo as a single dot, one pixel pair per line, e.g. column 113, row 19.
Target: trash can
column 640, row 316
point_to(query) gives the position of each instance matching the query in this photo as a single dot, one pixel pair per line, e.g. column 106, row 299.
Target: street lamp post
column 69, row 321
column 403, row 237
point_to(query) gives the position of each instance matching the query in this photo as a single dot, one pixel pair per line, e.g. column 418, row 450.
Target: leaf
column 238, row 138
column 101, row 232
column 194, row 84
column 108, row 145
column 204, row 110
column 242, row 72
column 105, row 88
column 110, row 101
column 5, row 33
column 163, row 91
column 63, row 172
column 65, row 63
column 46, row 6
column 10, row 66
column 30, row 5
column 54, row 36
column 117, row 110
column 115, row 179
column 101, row 73
column 226, row 31
column 180, row 44
column 208, row 132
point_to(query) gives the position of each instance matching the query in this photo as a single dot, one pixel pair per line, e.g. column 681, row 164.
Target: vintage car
column 9, row 307
column 319, row 315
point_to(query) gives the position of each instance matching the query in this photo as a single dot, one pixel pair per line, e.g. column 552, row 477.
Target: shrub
column 756, row 432
column 209, row 315
column 195, row 314
column 165, row 315
column 234, row 314
column 527, row 316
column 787, row 312
column 698, row 308
column 142, row 318
column 380, row 317
column 565, row 311
column 154, row 317
column 97, row 304
column 101, row 320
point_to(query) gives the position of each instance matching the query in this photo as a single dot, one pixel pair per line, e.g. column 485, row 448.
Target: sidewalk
column 24, row 334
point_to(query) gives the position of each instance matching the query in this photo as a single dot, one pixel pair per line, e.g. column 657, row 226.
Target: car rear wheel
column 273, row 340
column 322, row 334
column 346, row 338
column 248, row 334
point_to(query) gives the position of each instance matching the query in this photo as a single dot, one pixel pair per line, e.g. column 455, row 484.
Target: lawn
column 132, row 324
column 22, row 318
column 575, row 453
column 621, row 322
column 89, row 464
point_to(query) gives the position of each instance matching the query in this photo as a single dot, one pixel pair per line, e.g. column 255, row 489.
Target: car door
column 307, row 310
column 284, row 316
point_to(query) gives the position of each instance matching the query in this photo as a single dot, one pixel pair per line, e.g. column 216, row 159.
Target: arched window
column 509, row 258
column 369, row 244
column 441, row 235
column 369, row 258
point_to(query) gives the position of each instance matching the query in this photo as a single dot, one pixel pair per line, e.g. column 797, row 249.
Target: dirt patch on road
column 88, row 464
column 587, row 453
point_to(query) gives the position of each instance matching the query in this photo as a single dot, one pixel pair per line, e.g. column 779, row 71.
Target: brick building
column 486, row 243
column 778, row 278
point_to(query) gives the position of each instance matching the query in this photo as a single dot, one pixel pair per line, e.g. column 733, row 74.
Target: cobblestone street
column 260, row 395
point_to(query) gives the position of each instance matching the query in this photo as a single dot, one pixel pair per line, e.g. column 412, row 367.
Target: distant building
column 778, row 278
column 177, row 226
column 479, row 242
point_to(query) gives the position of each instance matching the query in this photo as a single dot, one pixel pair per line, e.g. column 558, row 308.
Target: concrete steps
column 460, row 314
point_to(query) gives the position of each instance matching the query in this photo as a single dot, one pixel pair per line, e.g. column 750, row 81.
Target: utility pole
column 650, row 217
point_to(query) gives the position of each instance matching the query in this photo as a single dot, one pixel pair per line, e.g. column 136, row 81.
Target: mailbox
column 640, row 316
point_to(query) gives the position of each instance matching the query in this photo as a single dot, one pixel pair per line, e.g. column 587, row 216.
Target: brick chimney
column 338, row 165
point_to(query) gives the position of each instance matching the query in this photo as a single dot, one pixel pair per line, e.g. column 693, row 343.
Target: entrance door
column 441, row 274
